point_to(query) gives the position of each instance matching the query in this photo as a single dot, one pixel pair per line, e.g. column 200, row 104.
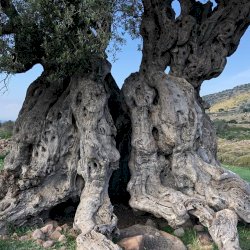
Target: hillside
column 226, row 94
column 230, row 112
column 230, row 105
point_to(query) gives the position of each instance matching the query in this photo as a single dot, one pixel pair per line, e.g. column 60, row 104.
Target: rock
column 63, row 248
column 38, row 234
column 152, row 238
column 55, row 235
column 24, row 238
column 53, row 222
column 48, row 243
column 62, row 238
column 131, row 243
column 59, row 229
column 199, row 228
column 39, row 242
column 73, row 232
column 47, row 228
column 177, row 243
column 65, row 227
column 205, row 239
column 4, row 237
column 179, row 232
column 14, row 235
column 151, row 223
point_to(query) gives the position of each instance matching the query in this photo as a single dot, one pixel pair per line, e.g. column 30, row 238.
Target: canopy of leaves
column 59, row 34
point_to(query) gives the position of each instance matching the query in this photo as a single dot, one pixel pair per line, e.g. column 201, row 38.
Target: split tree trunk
column 173, row 160
column 63, row 147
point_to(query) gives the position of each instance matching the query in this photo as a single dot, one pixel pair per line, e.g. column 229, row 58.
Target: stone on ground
column 179, row 232
column 132, row 243
column 151, row 223
column 39, row 242
column 150, row 238
column 55, row 235
column 24, row 238
column 65, row 227
column 47, row 228
column 62, row 238
column 59, row 229
column 38, row 234
column 48, row 243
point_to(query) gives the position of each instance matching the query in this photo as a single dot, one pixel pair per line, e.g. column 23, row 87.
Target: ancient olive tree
column 74, row 120
column 64, row 140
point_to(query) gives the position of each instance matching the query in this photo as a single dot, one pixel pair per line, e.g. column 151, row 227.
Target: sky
column 236, row 72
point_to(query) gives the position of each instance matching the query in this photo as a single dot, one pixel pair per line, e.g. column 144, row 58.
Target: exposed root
column 224, row 230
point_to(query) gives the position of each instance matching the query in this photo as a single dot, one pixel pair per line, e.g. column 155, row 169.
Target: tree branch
column 186, row 6
column 196, row 44
column 4, row 84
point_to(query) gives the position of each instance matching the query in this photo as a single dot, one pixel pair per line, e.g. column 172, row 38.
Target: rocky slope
column 230, row 111
column 232, row 105
column 215, row 98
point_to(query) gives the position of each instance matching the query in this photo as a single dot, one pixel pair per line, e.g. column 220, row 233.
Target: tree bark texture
column 68, row 134
column 196, row 44
column 173, row 160
column 64, row 146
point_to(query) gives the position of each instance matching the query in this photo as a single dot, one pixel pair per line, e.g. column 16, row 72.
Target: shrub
column 220, row 126
column 6, row 129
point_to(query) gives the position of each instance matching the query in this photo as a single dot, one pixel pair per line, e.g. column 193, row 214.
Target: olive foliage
column 62, row 35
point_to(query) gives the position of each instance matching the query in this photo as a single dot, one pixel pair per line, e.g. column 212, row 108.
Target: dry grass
column 231, row 103
column 234, row 153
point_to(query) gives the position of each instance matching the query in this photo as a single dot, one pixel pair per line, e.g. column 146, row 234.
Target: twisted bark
column 173, row 160
column 196, row 44
column 64, row 147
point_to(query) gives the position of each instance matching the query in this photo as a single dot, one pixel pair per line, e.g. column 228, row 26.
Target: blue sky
column 237, row 72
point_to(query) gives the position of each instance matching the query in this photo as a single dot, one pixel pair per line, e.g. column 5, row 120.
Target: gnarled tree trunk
column 173, row 161
column 63, row 147
column 65, row 142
